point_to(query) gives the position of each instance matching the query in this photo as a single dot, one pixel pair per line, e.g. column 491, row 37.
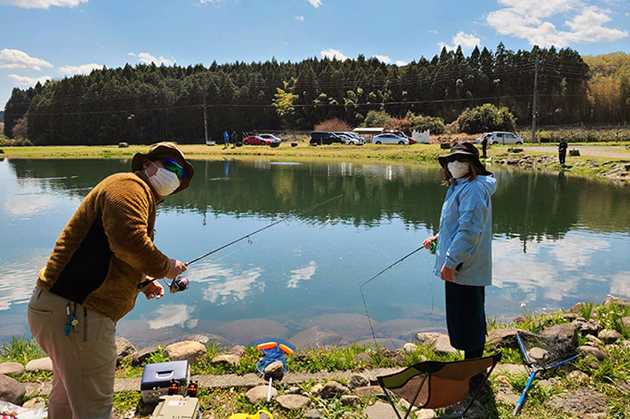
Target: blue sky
column 43, row 39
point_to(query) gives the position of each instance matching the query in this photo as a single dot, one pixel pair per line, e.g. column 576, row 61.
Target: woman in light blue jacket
column 464, row 246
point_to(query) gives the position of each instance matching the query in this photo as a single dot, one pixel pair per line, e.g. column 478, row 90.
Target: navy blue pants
column 466, row 316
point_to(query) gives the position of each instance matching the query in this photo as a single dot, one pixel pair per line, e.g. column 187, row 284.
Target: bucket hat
column 164, row 149
column 463, row 149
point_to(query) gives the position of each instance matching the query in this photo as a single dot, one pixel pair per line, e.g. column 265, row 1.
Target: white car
column 271, row 137
column 390, row 139
column 501, row 137
column 348, row 139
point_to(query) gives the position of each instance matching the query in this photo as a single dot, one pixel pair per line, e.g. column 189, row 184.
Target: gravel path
column 615, row 152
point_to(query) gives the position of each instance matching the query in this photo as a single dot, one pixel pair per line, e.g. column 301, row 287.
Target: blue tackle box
column 156, row 379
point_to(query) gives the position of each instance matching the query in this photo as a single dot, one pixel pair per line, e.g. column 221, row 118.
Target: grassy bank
column 610, row 377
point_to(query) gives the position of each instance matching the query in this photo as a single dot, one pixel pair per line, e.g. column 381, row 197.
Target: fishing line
column 376, row 276
column 183, row 285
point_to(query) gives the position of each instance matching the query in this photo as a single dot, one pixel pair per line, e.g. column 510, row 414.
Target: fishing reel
column 178, row 284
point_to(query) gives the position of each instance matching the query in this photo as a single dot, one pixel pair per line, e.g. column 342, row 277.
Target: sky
column 52, row 39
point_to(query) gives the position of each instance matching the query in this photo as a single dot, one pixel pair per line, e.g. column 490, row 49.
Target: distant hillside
column 610, row 86
column 1, row 116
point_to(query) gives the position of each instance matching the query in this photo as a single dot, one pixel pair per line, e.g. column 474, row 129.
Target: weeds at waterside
column 610, row 376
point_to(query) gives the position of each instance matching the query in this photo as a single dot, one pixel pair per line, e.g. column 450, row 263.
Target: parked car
column 256, row 140
column 390, row 139
column 348, row 139
column 501, row 137
column 271, row 137
column 357, row 136
column 401, row 135
column 321, row 137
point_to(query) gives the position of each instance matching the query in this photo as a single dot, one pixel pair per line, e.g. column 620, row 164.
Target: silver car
column 390, row 139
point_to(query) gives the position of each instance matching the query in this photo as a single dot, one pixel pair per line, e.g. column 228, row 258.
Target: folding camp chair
column 434, row 384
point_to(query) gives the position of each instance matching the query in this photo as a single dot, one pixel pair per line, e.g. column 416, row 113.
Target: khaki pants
column 84, row 362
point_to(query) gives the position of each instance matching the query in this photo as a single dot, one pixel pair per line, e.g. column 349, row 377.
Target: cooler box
column 156, row 379
column 178, row 407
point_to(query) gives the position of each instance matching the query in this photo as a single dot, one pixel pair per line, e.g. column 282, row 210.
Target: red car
column 256, row 140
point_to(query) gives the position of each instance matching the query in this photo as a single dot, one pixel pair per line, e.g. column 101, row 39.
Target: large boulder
column 41, row 364
column 11, row 368
column 143, row 355
column 293, row 401
column 259, row 393
column 506, row 338
column 616, row 301
column 581, row 402
column 562, row 331
column 609, row 336
column 124, row 348
column 11, row 390
column 186, row 351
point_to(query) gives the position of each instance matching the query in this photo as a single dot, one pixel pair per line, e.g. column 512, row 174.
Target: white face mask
column 163, row 181
column 458, row 169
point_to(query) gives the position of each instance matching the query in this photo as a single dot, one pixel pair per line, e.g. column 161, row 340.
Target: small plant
column 21, row 350
column 157, row 356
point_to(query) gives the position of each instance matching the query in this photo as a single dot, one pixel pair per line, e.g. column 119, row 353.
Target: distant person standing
column 562, row 151
column 484, row 145
column 234, row 139
column 226, row 140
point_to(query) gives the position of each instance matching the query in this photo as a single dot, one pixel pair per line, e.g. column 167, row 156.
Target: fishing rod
column 181, row 284
column 432, row 250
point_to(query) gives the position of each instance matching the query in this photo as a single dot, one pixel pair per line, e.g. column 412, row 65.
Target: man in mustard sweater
column 91, row 279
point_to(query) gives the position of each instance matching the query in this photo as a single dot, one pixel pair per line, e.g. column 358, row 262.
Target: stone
column 316, row 390
column 569, row 316
column 380, row 410
column 597, row 353
column 409, row 348
column 616, row 301
column 259, row 393
column 238, row 350
column 316, row 337
column 562, row 330
column 294, row 390
column 537, row 354
column 503, row 390
column 293, row 401
column 586, row 328
column 609, row 336
column 428, row 338
column 443, row 345
column 34, row 403
column 186, row 351
column 275, row 370
column 580, row 402
column 577, row 376
column 350, row 400
column 391, row 355
column 124, row 348
column 505, row 338
column 333, row 389
column 41, row 364
column 312, row 414
column 594, row 340
column 11, row 390
column 11, row 368
column 143, row 355
column 226, row 359
column 368, row 391
column 123, row 144
column 625, row 321
column 356, row 381
column 362, row 358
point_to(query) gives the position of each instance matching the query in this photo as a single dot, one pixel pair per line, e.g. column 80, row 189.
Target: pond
column 557, row 241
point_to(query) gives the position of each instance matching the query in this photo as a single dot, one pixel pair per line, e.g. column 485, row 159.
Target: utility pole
column 535, row 103
column 205, row 115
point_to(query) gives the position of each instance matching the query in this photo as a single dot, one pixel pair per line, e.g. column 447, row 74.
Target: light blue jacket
column 465, row 237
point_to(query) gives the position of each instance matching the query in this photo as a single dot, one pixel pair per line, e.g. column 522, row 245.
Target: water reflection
column 558, row 240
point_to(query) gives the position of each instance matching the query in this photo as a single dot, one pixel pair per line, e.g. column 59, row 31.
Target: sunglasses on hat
column 173, row 166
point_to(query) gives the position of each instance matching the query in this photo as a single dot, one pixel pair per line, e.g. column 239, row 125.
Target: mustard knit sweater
column 106, row 249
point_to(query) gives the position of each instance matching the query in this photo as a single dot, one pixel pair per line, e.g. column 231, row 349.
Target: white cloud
column 466, row 40
column 300, row 18
column 146, row 58
column 383, row 58
column 401, row 63
column 13, row 58
column 81, row 69
column 18, row 277
column 620, row 286
column 302, row 274
column 333, row 53
column 170, row 315
column 227, row 284
column 211, row 1
column 433, row 31
column 531, row 20
column 42, row 4
column 315, row 3
column 28, row 81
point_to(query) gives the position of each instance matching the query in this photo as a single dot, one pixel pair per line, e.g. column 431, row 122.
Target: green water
column 557, row 241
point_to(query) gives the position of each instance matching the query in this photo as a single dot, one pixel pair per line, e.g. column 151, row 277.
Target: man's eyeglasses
column 173, row 166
